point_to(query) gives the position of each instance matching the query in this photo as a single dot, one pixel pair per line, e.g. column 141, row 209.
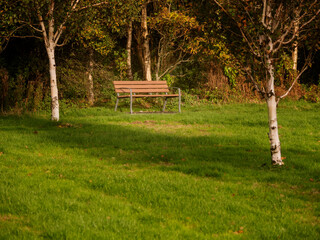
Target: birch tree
column 46, row 20
column 267, row 28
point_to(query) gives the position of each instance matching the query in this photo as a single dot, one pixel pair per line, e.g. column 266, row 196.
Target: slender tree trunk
column 159, row 59
column 295, row 56
column 295, row 44
column 50, row 44
column 146, row 48
column 129, row 44
column 157, row 70
column 90, row 78
column 138, row 37
column 272, row 114
column 53, row 84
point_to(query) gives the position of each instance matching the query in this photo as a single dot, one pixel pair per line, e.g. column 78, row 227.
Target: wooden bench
column 144, row 89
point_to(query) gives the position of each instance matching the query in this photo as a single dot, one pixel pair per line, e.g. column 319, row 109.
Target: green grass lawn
column 201, row 174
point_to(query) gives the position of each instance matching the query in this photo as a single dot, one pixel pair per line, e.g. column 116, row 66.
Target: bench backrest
column 141, row 86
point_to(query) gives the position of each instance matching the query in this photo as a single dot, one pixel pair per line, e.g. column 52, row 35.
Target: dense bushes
column 24, row 80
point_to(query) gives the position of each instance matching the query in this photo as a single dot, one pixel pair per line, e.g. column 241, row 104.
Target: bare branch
column 61, row 27
column 26, row 36
column 304, row 68
column 172, row 67
column 29, row 24
column 90, row 6
column 311, row 19
column 263, row 19
column 44, row 32
column 261, row 91
column 255, row 52
column 62, row 44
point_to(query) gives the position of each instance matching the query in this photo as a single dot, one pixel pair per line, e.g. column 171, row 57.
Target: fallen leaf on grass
column 1, row 153
column 65, row 125
column 282, row 158
column 311, row 180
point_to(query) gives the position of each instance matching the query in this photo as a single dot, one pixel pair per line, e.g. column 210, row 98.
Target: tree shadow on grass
column 137, row 144
column 204, row 156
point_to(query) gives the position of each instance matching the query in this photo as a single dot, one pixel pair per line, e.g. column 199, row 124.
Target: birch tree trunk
column 53, row 84
column 146, row 48
column 50, row 44
column 272, row 115
column 129, row 44
column 90, row 79
column 295, row 43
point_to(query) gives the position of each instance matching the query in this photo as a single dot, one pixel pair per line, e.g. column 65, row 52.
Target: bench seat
column 144, row 89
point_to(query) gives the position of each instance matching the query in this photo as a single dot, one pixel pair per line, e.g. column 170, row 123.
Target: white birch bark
column 53, row 85
column 50, row 44
column 275, row 148
column 146, row 48
column 295, row 43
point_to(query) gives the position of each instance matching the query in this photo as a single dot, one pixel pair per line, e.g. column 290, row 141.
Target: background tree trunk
column 295, row 43
column 146, row 48
column 90, row 78
column 129, row 44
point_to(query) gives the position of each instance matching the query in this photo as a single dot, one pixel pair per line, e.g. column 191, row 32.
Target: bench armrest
column 179, row 91
column 126, row 88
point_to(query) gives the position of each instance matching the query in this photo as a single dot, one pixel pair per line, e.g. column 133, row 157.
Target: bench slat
column 139, row 82
column 139, row 90
column 142, row 95
column 141, row 86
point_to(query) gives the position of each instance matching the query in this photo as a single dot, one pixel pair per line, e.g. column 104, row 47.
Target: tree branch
column 258, row 54
column 60, row 29
column 89, row 6
column 44, row 32
column 304, row 68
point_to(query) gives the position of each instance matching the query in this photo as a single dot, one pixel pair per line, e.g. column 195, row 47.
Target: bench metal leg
column 179, row 100
column 164, row 104
column 131, row 103
column 115, row 109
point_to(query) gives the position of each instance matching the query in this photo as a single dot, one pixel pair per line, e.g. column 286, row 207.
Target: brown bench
column 144, row 89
